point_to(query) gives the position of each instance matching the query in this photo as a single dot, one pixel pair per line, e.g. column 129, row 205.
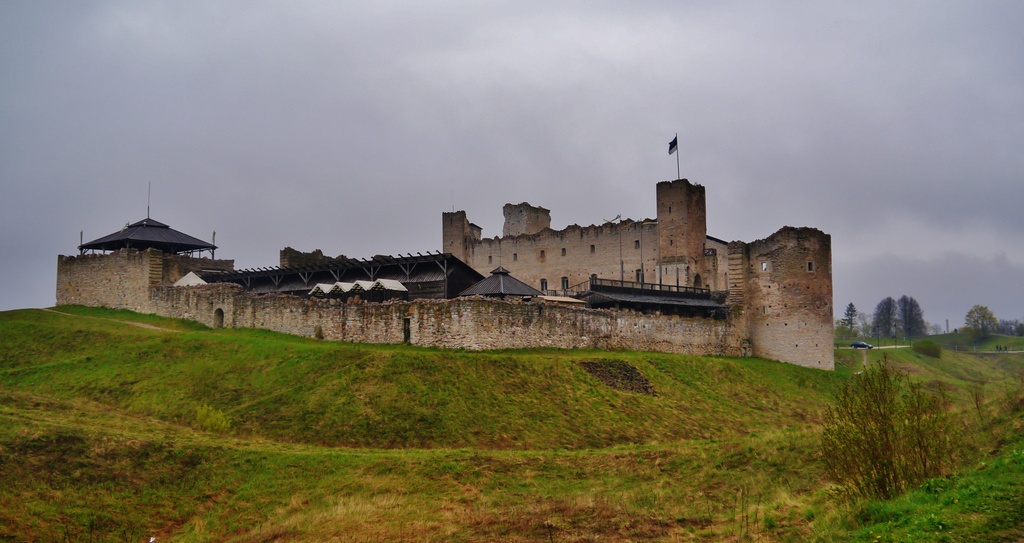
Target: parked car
column 861, row 345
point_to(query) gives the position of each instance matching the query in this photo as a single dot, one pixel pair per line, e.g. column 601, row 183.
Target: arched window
column 543, row 285
column 218, row 318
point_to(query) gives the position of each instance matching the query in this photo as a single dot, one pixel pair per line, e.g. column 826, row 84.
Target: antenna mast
column 149, row 193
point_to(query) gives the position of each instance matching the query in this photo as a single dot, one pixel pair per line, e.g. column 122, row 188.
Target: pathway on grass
column 133, row 323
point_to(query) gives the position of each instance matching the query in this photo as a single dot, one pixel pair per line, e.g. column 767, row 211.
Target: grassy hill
column 112, row 431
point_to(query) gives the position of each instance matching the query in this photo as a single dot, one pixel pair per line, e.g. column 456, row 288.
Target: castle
column 778, row 290
column 661, row 285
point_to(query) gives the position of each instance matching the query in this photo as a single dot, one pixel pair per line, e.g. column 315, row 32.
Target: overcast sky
column 896, row 127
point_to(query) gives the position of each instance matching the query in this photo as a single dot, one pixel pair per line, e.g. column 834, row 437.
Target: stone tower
column 458, row 235
column 782, row 286
column 682, row 227
column 524, row 218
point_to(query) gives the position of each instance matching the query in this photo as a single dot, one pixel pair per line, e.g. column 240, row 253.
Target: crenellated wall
column 672, row 250
column 784, row 310
column 779, row 291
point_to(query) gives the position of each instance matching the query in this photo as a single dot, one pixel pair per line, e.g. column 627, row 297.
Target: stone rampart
column 121, row 279
column 463, row 323
column 788, row 296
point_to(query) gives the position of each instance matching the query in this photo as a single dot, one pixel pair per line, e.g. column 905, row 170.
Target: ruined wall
column 121, row 279
column 140, row 281
column 457, row 235
column 670, row 250
column 787, row 294
column 293, row 258
column 573, row 253
column 524, row 219
column 465, row 323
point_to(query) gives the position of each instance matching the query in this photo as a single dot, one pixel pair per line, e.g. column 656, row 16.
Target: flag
column 672, row 145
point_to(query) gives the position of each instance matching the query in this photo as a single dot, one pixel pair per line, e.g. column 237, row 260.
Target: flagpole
column 678, row 175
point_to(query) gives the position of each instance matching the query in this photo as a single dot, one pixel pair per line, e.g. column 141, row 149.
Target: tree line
column 904, row 317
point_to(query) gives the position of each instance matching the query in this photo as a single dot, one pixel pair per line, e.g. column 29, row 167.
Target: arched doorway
column 697, row 281
column 218, row 318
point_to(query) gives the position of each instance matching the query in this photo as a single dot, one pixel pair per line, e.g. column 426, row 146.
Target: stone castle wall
column 669, row 250
column 121, row 279
column 787, row 296
column 127, row 280
column 463, row 323
column 779, row 290
column 524, row 218
column 784, row 310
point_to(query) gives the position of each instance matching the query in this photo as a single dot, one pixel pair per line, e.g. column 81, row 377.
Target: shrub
column 885, row 434
column 212, row 419
column 928, row 347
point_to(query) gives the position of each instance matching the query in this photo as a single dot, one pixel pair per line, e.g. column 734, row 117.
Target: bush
column 212, row 419
column 928, row 347
column 886, row 434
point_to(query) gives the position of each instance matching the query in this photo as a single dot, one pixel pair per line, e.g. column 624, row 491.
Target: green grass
column 114, row 432
column 301, row 390
column 952, row 341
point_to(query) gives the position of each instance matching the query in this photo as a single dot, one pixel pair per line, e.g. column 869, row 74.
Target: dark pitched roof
column 148, row 234
column 597, row 297
column 444, row 268
column 500, row 283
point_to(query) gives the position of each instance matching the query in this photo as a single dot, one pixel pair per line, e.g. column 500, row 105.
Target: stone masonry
column 778, row 289
column 122, row 280
column 784, row 310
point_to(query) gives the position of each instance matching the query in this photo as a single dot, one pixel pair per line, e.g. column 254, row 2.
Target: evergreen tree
column 850, row 317
column 911, row 318
column 885, row 317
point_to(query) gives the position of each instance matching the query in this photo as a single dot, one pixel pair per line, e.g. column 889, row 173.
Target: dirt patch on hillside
column 619, row 375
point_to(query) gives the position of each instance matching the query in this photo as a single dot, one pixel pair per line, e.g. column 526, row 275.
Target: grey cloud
column 351, row 127
column 946, row 285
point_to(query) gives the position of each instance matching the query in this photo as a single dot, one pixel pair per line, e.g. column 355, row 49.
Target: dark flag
column 672, row 145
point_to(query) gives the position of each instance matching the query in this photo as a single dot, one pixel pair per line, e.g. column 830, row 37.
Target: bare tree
column 1011, row 327
column 863, row 324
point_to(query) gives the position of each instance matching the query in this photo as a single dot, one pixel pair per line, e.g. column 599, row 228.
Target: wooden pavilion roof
column 148, row 234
